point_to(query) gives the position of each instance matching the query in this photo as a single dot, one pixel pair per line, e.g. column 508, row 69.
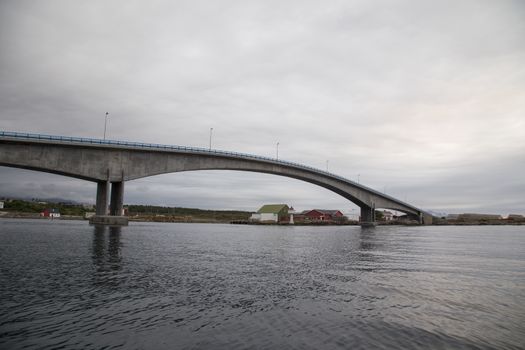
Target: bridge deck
column 116, row 144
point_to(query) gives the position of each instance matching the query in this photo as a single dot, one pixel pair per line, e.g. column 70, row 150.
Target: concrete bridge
column 115, row 162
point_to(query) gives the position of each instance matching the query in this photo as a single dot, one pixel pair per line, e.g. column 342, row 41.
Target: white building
column 270, row 213
column 291, row 211
column 387, row 215
column 264, row 217
column 50, row 213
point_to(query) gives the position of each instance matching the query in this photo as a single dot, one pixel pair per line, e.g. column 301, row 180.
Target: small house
column 387, row 215
column 50, row 213
column 271, row 213
column 322, row 215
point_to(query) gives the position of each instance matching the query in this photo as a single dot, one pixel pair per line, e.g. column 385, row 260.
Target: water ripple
column 162, row 286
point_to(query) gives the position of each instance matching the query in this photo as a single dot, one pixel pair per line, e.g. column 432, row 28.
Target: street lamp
column 105, row 125
column 277, row 156
column 358, row 175
column 211, row 130
column 327, row 165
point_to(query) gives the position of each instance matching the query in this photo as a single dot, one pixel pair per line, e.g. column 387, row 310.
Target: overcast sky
column 422, row 99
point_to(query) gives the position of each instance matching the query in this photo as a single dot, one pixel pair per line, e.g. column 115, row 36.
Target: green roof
column 272, row 208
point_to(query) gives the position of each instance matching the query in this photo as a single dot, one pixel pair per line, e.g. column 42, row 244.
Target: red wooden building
column 50, row 213
column 317, row 215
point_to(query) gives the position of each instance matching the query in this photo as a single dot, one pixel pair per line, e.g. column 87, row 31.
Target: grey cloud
column 417, row 96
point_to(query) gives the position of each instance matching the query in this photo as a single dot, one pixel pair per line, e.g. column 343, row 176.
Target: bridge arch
column 116, row 162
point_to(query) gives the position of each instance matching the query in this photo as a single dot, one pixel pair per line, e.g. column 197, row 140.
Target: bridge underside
column 111, row 166
column 116, row 204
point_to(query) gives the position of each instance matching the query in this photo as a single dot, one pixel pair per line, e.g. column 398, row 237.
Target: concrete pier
column 115, row 217
column 117, row 198
column 368, row 217
column 108, row 220
column 102, row 197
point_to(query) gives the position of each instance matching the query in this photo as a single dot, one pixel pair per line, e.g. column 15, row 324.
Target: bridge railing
column 85, row 140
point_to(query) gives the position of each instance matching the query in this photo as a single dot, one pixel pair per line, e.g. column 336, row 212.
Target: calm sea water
column 196, row 286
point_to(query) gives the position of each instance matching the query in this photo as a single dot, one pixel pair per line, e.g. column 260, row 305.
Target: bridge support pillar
column 426, row 219
column 102, row 197
column 368, row 217
column 117, row 198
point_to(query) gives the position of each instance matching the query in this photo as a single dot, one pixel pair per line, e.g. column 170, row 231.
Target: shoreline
column 32, row 216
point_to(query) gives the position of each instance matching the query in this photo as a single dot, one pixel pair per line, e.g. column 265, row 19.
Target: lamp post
column 277, row 155
column 211, row 130
column 358, row 175
column 105, row 125
column 327, row 165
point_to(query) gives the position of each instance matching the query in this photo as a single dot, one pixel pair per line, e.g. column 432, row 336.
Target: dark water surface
column 171, row 286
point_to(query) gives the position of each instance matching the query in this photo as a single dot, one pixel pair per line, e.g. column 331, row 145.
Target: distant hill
column 436, row 214
column 187, row 213
column 47, row 200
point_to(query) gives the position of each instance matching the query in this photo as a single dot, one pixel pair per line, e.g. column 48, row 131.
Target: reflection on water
column 367, row 239
column 107, row 248
column 165, row 286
